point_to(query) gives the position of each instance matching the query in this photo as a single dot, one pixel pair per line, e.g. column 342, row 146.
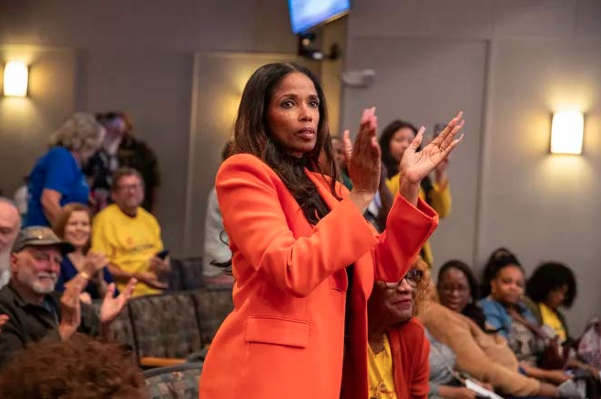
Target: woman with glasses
column 397, row 347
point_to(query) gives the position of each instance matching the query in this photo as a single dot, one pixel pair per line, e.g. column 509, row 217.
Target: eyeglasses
column 413, row 278
column 128, row 187
column 450, row 288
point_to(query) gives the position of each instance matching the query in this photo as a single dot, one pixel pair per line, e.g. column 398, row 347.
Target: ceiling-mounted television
column 307, row 14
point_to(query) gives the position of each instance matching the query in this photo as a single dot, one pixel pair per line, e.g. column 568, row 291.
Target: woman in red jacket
column 398, row 349
column 303, row 256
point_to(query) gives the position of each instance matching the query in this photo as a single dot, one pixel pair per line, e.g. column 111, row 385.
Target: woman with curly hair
column 551, row 286
column 57, row 178
column 79, row 368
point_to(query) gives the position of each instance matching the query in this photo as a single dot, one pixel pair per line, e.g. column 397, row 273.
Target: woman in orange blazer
column 304, row 258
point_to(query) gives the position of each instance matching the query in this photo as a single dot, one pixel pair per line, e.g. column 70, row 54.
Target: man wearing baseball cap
column 38, row 312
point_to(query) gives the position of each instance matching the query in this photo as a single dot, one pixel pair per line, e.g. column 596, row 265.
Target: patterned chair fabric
column 186, row 274
column 213, row 304
column 175, row 382
column 165, row 325
column 122, row 327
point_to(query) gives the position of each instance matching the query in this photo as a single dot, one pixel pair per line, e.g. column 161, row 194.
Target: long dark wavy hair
column 253, row 136
column 392, row 165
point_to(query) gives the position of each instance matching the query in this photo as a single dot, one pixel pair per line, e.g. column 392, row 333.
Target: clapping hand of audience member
column 111, row 307
column 364, row 160
column 3, row 320
column 71, row 308
column 416, row 165
column 94, row 263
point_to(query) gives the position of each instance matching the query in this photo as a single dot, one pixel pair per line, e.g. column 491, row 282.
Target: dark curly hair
column 472, row 310
column 499, row 259
column 549, row 276
column 80, row 368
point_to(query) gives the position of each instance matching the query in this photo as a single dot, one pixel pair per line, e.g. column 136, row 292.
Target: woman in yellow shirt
column 395, row 139
column 551, row 286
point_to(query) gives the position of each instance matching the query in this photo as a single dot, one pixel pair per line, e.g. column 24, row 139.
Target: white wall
column 26, row 123
column 535, row 57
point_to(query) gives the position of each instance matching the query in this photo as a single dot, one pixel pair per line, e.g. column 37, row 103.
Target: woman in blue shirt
column 57, row 178
column 504, row 284
column 74, row 226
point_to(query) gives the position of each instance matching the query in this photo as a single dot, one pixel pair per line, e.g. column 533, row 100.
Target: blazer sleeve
column 407, row 230
column 256, row 222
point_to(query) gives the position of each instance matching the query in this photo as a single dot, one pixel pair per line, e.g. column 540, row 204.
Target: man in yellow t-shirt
column 130, row 236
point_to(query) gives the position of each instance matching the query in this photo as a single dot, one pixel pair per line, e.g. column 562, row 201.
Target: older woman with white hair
column 57, row 178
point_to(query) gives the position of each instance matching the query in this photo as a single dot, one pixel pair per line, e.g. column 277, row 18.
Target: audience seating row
column 166, row 329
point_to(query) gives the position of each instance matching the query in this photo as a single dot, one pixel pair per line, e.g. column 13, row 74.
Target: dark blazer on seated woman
column 68, row 271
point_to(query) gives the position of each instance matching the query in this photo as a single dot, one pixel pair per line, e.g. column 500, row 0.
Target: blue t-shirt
column 68, row 271
column 57, row 170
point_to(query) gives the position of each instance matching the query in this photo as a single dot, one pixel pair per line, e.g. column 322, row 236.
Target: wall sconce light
column 15, row 79
column 567, row 131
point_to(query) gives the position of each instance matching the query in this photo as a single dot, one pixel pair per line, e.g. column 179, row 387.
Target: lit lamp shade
column 567, row 131
column 15, row 79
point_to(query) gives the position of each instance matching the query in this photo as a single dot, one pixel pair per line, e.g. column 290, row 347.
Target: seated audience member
column 551, row 286
column 506, row 312
column 74, row 226
column 216, row 249
column 3, row 320
column 397, row 347
column 484, row 356
column 10, row 224
column 81, row 367
column 130, row 236
column 57, row 178
column 36, row 312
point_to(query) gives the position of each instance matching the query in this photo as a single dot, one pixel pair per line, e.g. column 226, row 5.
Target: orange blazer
column 285, row 337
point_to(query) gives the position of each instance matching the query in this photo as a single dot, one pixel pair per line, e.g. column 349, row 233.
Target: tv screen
column 306, row 14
